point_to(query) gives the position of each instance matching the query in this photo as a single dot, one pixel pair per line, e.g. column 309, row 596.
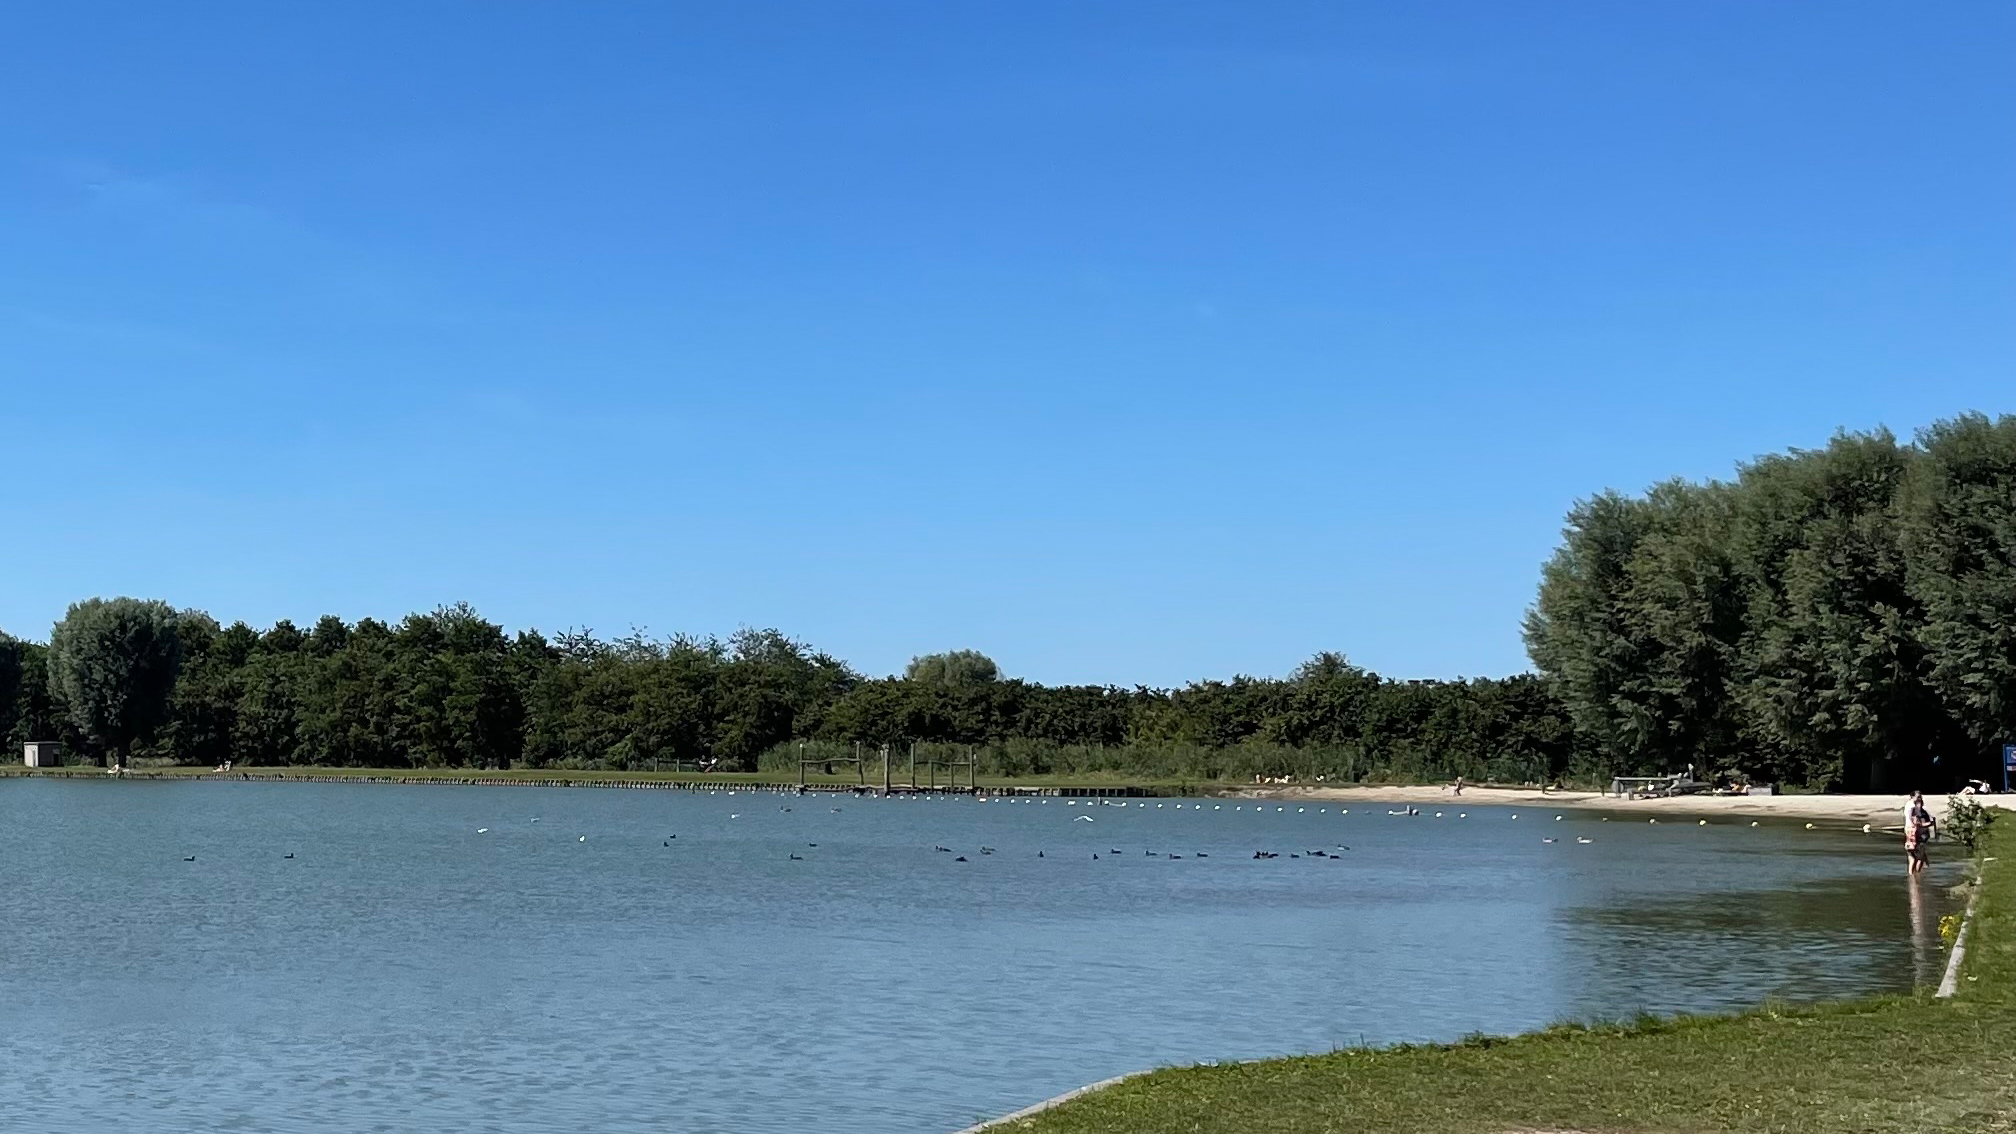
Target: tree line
column 142, row 681
column 1842, row 617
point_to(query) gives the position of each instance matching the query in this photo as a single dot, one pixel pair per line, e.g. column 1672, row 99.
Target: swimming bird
column 1809, row 826
column 1701, row 822
column 286, row 856
column 1583, row 841
column 482, row 830
column 1201, row 854
column 1175, row 856
column 535, row 818
column 1557, row 818
column 1753, row 822
column 1515, row 815
column 797, row 858
column 667, row 842
column 190, row 858
column 1086, row 819
column 582, row 839
column 1865, row 828
column 811, row 844
column 735, row 815
column 1651, row 820
column 1546, row 840
column 1438, row 815
column 961, row 858
column 1039, row 854
column 1095, row 856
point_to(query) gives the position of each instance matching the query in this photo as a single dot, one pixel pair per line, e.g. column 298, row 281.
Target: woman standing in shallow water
column 1918, row 827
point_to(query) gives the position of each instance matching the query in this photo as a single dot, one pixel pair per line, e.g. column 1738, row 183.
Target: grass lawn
column 1904, row 1064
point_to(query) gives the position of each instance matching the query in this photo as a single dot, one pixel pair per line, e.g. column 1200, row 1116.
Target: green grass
column 1886, row 1064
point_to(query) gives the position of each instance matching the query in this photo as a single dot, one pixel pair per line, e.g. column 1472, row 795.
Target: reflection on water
column 403, row 971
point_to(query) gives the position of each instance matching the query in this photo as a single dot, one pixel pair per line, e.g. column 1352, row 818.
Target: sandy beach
column 1881, row 810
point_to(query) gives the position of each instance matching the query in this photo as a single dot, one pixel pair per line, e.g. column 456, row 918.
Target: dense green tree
column 957, row 668
column 1958, row 536
column 113, row 663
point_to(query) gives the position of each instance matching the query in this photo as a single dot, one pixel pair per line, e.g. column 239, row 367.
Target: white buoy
column 582, row 839
column 1438, row 815
column 1701, row 822
column 1557, row 818
column 1462, row 815
column 1809, row 826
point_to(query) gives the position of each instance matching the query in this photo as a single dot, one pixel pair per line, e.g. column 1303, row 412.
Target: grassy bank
column 1903, row 1064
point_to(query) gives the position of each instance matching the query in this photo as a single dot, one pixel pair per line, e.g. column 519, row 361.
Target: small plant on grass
column 1949, row 929
column 1967, row 821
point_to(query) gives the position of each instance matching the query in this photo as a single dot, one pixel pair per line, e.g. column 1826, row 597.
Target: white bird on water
column 1583, row 841
column 582, row 839
column 482, row 830
column 1086, row 819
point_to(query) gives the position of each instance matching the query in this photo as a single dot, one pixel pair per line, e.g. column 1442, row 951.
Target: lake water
column 404, row 972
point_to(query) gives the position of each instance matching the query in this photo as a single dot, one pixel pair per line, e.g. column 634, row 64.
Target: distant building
column 41, row 754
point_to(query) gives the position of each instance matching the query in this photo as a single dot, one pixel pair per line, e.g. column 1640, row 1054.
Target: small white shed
column 40, row 754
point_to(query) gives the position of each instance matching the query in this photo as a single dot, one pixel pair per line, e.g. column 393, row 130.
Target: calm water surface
column 404, row 972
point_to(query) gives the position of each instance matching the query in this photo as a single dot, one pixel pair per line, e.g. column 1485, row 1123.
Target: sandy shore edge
column 1881, row 810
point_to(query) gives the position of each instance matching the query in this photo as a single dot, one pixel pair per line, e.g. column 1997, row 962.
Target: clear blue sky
column 1125, row 342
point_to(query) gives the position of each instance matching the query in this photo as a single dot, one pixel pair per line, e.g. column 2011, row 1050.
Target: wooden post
column 801, row 764
column 885, row 770
column 913, row 765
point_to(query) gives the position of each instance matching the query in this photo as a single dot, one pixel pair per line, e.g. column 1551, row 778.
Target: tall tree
column 113, row 662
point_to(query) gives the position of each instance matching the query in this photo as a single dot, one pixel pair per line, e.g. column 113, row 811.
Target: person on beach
column 1918, row 828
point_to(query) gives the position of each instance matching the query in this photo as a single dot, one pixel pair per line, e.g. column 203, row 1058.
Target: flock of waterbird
column 1257, row 809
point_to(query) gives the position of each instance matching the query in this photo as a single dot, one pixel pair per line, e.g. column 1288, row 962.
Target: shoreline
column 1878, row 810
column 1603, row 1055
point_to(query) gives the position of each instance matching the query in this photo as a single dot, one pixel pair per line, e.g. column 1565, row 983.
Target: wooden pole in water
column 913, row 765
column 801, row 763
column 885, row 769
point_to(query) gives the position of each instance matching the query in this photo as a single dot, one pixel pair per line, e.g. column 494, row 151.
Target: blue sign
column 2008, row 764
